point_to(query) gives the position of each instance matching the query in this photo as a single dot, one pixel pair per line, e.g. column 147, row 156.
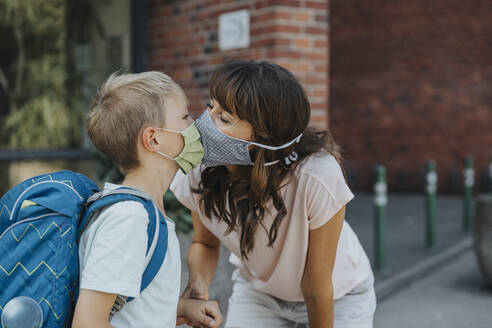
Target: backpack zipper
column 29, row 220
column 36, row 184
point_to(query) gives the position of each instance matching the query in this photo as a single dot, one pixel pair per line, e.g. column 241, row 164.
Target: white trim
column 36, row 184
column 152, row 247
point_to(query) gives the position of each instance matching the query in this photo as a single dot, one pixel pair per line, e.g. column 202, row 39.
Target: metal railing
column 36, row 154
column 431, row 188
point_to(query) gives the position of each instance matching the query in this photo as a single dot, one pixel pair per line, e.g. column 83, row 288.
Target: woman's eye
column 223, row 119
column 209, row 106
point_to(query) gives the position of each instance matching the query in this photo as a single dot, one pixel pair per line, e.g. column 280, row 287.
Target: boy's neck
column 151, row 182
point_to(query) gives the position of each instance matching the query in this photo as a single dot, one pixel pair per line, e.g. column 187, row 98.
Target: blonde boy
column 126, row 122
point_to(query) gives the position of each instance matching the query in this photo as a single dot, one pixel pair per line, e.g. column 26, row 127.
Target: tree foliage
column 35, row 111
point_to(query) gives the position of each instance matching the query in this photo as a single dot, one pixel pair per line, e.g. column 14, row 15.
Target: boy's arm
column 92, row 309
column 112, row 262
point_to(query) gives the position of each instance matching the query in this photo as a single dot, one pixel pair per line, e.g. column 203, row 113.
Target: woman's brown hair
column 270, row 98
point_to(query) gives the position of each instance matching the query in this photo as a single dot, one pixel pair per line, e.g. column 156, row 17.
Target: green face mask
column 192, row 153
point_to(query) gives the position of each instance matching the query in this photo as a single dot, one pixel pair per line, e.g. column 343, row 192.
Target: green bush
column 37, row 110
column 44, row 120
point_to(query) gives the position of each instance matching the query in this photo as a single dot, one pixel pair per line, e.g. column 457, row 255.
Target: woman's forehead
column 218, row 105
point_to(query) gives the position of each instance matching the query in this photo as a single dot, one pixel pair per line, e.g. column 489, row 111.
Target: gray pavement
column 455, row 296
column 405, row 228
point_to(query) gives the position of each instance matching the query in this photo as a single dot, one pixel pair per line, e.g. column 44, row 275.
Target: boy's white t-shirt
column 112, row 255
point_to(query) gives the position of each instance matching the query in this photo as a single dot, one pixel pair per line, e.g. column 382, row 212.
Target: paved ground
column 405, row 237
column 405, row 243
column 453, row 297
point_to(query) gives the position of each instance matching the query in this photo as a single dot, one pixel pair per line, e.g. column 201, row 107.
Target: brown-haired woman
column 271, row 189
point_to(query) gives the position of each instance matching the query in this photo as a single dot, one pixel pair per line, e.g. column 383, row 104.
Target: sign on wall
column 234, row 30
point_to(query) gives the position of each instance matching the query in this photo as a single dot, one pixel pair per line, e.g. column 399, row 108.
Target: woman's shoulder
column 182, row 186
column 192, row 179
column 321, row 166
column 322, row 177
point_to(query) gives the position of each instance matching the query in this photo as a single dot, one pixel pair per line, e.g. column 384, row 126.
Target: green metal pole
column 469, row 180
column 380, row 201
column 430, row 204
column 490, row 173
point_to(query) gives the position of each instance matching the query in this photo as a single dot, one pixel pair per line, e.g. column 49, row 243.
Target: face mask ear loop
column 166, row 155
column 296, row 140
column 288, row 159
column 169, row 130
column 272, row 163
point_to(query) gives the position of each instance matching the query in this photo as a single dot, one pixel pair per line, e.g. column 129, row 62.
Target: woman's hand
column 196, row 289
column 199, row 313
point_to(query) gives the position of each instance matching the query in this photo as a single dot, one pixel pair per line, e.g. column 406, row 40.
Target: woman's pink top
column 316, row 194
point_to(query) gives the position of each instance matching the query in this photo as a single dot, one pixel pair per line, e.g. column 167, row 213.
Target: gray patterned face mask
column 221, row 149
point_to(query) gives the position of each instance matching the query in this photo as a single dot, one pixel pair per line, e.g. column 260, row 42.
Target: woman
column 272, row 191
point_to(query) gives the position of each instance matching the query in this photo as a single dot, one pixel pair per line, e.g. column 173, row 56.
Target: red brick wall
column 292, row 33
column 412, row 81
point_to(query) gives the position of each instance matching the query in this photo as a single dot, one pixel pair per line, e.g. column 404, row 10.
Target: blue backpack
column 41, row 221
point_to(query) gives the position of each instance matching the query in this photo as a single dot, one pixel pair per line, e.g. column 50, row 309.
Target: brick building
column 412, row 81
column 398, row 82
column 183, row 41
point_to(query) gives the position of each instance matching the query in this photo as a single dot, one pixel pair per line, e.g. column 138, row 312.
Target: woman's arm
column 92, row 309
column 316, row 282
column 203, row 256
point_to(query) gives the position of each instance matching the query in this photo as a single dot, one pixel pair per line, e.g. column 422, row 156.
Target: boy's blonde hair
column 123, row 105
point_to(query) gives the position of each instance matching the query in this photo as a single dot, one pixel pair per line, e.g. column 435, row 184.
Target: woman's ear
column 149, row 139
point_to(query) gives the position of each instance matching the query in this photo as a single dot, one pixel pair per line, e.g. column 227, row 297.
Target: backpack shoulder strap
column 101, row 200
column 157, row 228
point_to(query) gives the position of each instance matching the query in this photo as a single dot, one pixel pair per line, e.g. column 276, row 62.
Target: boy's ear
column 149, row 139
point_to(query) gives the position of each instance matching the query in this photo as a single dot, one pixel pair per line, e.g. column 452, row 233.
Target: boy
column 133, row 120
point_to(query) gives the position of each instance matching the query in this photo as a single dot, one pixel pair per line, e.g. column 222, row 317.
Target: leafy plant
column 36, row 107
column 44, row 120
